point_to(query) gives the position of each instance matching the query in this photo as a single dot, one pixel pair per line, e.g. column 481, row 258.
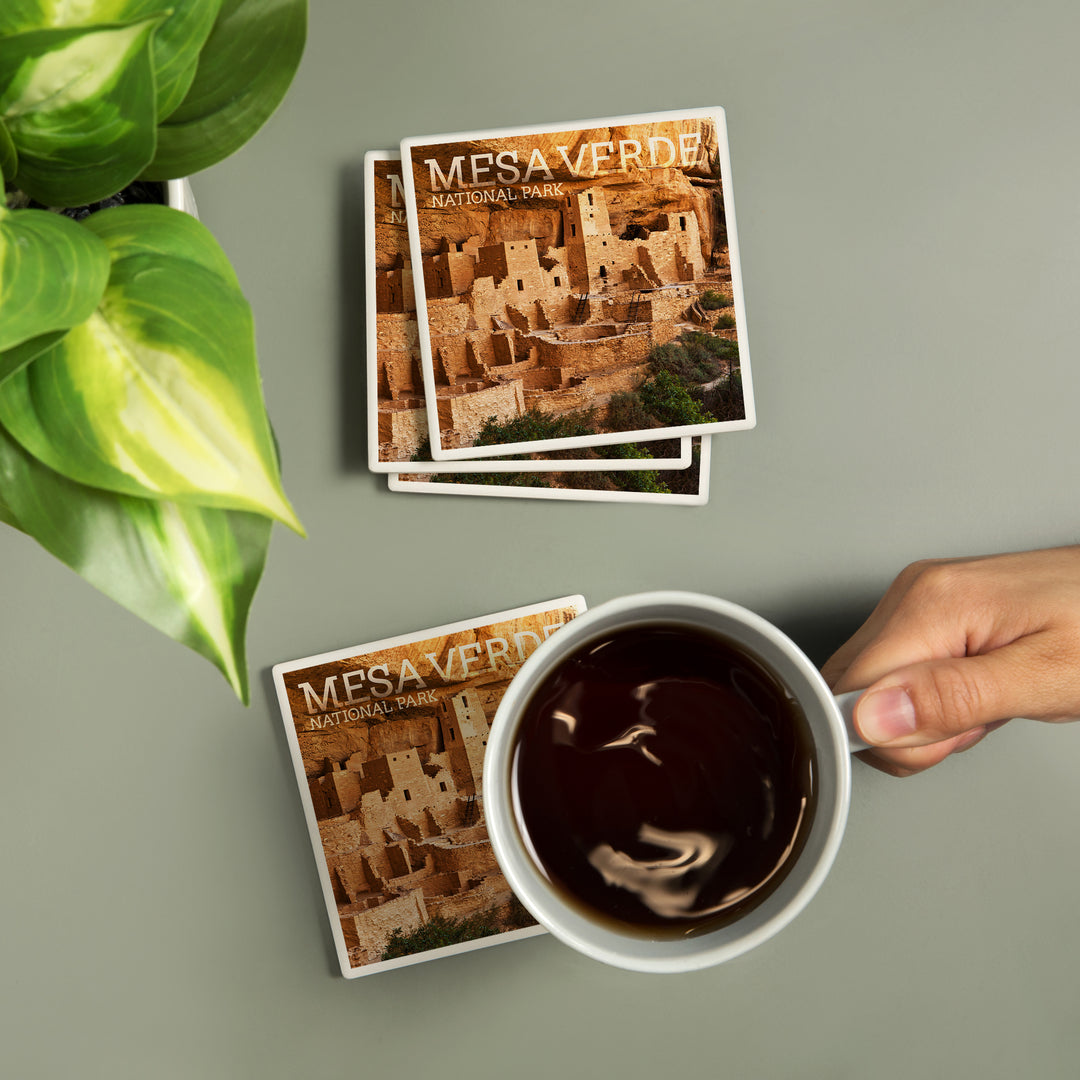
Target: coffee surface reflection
column 663, row 779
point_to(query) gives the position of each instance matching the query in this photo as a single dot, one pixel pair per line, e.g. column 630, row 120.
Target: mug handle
column 846, row 704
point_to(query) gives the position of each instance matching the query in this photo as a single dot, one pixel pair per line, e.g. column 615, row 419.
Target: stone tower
column 464, row 728
column 587, row 239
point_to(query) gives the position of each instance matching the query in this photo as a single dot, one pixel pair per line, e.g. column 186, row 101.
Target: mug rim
column 632, row 950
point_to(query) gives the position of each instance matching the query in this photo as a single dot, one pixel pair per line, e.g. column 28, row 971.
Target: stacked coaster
column 556, row 311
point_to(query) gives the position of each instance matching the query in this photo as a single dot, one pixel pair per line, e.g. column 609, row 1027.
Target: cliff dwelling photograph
column 388, row 744
column 573, row 285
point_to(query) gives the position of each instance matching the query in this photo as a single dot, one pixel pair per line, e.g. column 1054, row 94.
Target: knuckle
column 954, row 702
column 939, row 580
column 956, row 599
column 909, row 577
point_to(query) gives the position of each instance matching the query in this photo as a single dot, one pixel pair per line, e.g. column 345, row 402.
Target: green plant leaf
column 244, row 70
column 9, row 158
column 53, row 272
column 157, row 394
column 79, row 106
column 146, row 228
column 16, row 358
column 176, row 44
column 189, row 571
column 7, row 515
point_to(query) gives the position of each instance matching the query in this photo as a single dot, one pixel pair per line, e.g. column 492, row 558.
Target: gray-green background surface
column 905, row 180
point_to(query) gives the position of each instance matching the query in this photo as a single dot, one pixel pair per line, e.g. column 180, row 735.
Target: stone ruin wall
column 397, row 332
column 365, row 871
column 394, row 291
column 448, row 274
column 516, row 261
column 616, row 257
column 542, row 379
column 503, row 300
column 558, row 402
column 672, row 256
column 447, row 318
column 442, row 884
column 343, row 837
column 402, row 419
column 466, row 413
column 473, row 860
column 485, row 895
column 616, row 382
column 582, row 357
column 431, row 876
column 368, row 932
column 591, row 392
column 403, row 431
column 399, row 378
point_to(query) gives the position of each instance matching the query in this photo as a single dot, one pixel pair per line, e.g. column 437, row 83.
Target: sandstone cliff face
column 370, row 740
column 629, row 205
column 391, row 246
column 637, row 195
column 482, row 659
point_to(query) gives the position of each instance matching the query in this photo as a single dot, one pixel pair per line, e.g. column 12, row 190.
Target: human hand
column 956, row 648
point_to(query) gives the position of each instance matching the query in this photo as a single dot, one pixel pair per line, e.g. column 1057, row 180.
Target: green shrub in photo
column 711, row 300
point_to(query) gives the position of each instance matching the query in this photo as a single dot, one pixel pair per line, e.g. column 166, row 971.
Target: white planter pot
column 178, row 194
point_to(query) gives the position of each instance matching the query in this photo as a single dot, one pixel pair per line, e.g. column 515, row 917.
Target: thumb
column 939, row 699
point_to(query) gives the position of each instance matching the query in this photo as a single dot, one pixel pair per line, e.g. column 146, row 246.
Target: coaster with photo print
column 387, row 742
column 585, row 273
column 684, row 487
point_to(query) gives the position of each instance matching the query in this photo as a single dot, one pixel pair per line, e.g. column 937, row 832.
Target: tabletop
column 904, row 185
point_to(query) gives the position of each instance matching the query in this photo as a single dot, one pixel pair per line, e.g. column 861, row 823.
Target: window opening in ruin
column 573, row 229
column 557, row 282
column 682, row 224
column 405, row 792
column 442, row 785
column 451, row 734
column 603, row 271
column 521, row 285
column 590, row 198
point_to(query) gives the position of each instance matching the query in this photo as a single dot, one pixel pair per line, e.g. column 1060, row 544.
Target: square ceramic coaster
column 387, row 742
column 575, row 282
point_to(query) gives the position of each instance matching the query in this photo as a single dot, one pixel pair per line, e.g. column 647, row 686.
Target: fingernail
column 886, row 715
column 967, row 741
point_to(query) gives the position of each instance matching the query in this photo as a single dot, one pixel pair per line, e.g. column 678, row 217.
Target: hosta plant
column 134, row 441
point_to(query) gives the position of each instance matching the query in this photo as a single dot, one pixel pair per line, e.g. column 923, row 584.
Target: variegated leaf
column 157, row 394
column 79, row 106
column 176, row 45
column 189, row 571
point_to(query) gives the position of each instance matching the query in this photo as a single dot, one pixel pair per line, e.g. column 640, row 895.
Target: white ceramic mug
column 834, row 740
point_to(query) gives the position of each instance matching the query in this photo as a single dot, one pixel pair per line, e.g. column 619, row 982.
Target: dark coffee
column 664, row 779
